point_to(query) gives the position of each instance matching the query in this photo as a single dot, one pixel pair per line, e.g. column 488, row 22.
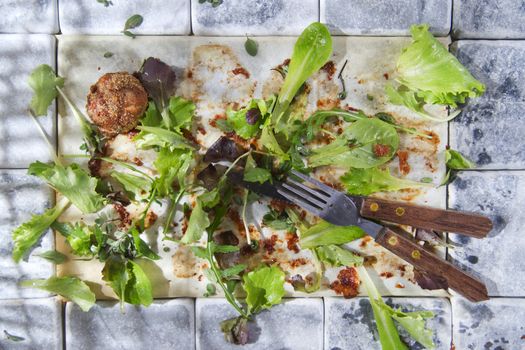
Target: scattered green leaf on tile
column 12, row 337
column 106, row 3
column 251, row 47
column 132, row 23
column 108, row 54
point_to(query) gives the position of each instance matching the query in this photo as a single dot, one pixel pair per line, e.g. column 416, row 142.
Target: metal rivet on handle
column 416, row 254
column 374, row 206
column 400, row 211
column 392, row 240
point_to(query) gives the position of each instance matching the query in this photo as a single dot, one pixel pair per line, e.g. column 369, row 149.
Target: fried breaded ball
column 116, row 102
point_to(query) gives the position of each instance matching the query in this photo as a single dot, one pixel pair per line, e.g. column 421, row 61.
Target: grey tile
column 378, row 17
column 241, row 17
column 38, row 321
column 92, row 17
column 350, row 323
column 20, row 141
column 32, row 16
column 489, row 19
column 497, row 324
column 165, row 324
column 20, row 197
column 295, row 324
column 497, row 258
column 490, row 129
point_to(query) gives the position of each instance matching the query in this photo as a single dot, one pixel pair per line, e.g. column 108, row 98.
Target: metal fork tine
column 299, row 201
column 325, row 188
column 314, row 192
column 304, row 196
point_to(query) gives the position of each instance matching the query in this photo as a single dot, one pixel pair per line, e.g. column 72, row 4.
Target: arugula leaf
column 325, row 233
column 197, row 224
column 29, row 233
column 137, row 186
column 43, row 81
column 53, row 256
column 388, row 335
column 356, row 147
column 371, row 180
column 72, row 182
column 68, row 287
column 428, row 73
column 311, row 51
column 336, row 256
column 233, row 271
column 142, row 247
column 264, row 287
column 138, row 289
column 456, row 160
column 412, row 322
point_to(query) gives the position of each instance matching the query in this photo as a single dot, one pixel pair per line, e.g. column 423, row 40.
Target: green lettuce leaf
column 181, row 112
column 29, row 233
column 412, row 322
column 79, row 238
column 152, row 136
column 311, row 51
column 264, row 287
column 368, row 181
column 429, row 74
column 116, row 275
column 197, row 224
column 43, row 81
column 336, row 256
column 355, row 148
column 172, row 165
column 72, row 182
column 138, row 289
column 70, row 288
column 388, row 334
column 325, row 233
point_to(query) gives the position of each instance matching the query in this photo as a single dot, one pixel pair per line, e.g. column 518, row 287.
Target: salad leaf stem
column 246, row 228
column 52, row 151
column 171, row 211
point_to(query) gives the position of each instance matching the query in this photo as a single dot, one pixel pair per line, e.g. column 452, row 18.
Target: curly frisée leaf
column 432, row 74
column 368, row 181
column 29, row 233
column 43, row 81
column 264, row 287
column 70, row 288
column 72, row 182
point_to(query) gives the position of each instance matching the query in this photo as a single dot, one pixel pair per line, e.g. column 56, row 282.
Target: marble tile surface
column 21, row 196
column 489, row 19
column 168, row 17
column 165, row 324
column 390, row 18
column 500, row 196
column 495, row 324
column 490, row 129
column 297, row 324
column 20, row 140
column 37, row 321
column 350, row 324
column 239, row 17
column 32, row 16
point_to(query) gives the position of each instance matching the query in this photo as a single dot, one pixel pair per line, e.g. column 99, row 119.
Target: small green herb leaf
column 210, row 290
column 259, row 175
column 133, row 22
column 108, row 54
column 251, row 47
column 70, row 288
column 233, row 271
column 197, row 224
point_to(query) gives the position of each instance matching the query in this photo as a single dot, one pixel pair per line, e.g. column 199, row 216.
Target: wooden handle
column 400, row 243
column 426, row 218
